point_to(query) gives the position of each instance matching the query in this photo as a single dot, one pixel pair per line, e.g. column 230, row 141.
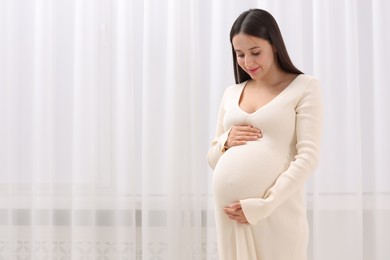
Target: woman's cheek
column 241, row 64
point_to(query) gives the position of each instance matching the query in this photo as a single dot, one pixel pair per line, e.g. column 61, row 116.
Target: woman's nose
column 248, row 61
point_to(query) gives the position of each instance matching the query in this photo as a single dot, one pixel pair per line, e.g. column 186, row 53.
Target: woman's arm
column 234, row 136
column 221, row 136
column 308, row 130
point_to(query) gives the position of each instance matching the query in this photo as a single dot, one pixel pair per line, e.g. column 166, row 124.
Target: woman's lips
column 252, row 71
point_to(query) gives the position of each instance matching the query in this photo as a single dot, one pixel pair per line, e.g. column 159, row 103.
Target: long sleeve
column 308, row 135
column 221, row 136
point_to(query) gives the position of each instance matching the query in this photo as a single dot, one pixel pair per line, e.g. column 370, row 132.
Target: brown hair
column 260, row 23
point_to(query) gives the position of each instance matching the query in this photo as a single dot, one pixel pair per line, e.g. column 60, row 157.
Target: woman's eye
column 256, row 53
column 240, row 55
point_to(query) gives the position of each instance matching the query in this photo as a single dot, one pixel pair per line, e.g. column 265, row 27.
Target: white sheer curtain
column 107, row 108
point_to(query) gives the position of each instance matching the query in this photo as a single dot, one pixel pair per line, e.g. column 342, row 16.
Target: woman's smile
column 253, row 71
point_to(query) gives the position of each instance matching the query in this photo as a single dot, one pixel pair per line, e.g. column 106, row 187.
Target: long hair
column 260, row 23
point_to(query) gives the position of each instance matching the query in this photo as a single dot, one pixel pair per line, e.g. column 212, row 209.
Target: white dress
column 267, row 175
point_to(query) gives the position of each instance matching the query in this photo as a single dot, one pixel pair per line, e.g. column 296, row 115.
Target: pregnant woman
column 266, row 146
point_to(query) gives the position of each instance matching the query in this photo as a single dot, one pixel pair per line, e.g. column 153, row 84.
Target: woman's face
column 254, row 55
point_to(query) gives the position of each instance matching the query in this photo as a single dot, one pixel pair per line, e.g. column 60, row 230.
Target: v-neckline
column 266, row 104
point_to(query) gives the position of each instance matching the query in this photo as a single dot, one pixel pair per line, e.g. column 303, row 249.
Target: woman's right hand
column 239, row 135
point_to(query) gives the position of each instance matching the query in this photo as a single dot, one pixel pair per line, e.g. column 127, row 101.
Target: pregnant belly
column 246, row 171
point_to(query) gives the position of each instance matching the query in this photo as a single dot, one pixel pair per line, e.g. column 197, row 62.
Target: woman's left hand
column 234, row 212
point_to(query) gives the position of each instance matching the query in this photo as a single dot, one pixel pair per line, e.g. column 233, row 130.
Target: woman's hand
column 239, row 135
column 234, row 212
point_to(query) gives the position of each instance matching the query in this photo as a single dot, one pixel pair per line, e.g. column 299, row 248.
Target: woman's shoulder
column 307, row 82
column 305, row 78
column 304, row 85
column 237, row 86
column 234, row 88
column 308, row 88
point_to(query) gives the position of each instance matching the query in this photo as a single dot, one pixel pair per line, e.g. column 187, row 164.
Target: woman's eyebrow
column 256, row 47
